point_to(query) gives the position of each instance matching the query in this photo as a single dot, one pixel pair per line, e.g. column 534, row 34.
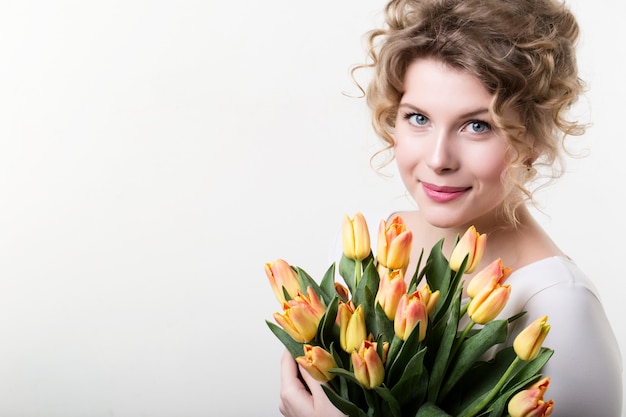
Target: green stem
column 358, row 266
column 460, row 340
column 494, row 391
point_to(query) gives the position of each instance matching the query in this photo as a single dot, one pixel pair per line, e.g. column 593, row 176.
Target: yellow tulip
column 301, row 316
column 393, row 247
column 530, row 403
column 528, row 342
column 492, row 274
column 488, row 303
column 429, row 298
column 281, row 274
column 390, row 289
column 411, row 310
column 317, row 362
column 472, row 245
column 356, row 238
column 352, row 329
column 369, row 369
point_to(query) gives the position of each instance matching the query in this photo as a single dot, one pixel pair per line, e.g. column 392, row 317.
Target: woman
column 472, row 97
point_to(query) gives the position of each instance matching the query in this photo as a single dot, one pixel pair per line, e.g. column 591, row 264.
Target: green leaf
column 342, row 404
column 295, row 348
column 390, row 401
column 436, row 269
column 471, row 349
column 328, row 331
column 440, row 364
column 533, row 367
column 407, row 350
column 346, row 374
column 369, row 282
column 478, row 381
column 431, row 410
column 373, row 402
column 306, row 281
column 417, row 276
column 384, row 326
column 369, row 312
column 327, row 284
column 347, row 267
column 411, row 388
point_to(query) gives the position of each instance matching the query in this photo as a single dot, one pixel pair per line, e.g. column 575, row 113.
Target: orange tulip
column 390, row 289
column 394, row 244
column 492, row 274
column 301, row 316
column 368, row 366
column 472, row 245
column 281, row 275
column 530, row 403
column 352, row 329
column 317, row 362
column 488, row 303
column 528, row 342
column 411, row 310
column 355, row 236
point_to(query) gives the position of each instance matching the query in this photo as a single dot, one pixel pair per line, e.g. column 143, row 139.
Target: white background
column 155, row 154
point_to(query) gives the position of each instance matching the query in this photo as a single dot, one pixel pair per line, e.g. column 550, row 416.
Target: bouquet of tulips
column 385, row 346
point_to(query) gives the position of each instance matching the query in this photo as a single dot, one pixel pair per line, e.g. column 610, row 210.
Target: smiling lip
column 443, row 194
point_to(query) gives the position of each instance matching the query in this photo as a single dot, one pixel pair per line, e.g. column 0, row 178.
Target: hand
column 298, row 399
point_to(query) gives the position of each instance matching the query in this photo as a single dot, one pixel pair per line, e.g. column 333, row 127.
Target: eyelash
column 487, row 126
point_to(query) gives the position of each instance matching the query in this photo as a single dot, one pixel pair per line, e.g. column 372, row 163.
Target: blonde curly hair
column 522, row 51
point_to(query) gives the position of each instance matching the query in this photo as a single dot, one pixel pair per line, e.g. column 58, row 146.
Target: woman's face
column 449, row 158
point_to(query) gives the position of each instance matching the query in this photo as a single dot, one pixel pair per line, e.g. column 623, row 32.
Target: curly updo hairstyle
column 523, row 52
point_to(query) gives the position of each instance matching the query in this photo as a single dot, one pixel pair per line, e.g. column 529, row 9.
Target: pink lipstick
column 443, row 194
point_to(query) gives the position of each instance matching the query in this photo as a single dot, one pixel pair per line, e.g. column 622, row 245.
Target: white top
column 586, row 368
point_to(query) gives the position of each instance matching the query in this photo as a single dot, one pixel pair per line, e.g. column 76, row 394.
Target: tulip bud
column 317, row 362
column 488, row 303
column 394, row 244
column 352, row 329
column 281, row 274
column 472, row 245
column 492, row 274
column 528, row 342
column 301, row 316
column 342, row 291
column 429, row 298
column 411, row 310
column 356, row 238
column 390, row 289
column 530, row 403
column 368, row 366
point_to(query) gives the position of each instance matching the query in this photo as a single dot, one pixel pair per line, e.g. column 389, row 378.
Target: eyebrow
column 469, row 114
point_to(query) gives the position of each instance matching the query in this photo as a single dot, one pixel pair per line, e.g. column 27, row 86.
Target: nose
column 442, row 155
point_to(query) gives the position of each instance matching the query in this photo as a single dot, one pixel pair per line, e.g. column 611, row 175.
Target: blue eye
column 477, row 126
column 416, row 119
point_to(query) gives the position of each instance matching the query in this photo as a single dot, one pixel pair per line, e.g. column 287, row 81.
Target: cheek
column 406, row 158
column 490, row 174
column 487, row 163
column 489, row 171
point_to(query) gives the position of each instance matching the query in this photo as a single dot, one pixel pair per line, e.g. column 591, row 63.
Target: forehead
column 431, row 81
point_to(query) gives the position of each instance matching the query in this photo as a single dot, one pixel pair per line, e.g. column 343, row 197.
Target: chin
column 445, row 219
